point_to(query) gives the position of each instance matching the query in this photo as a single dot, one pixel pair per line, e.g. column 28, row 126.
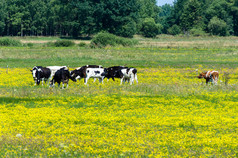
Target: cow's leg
column 122, row 80
column 100, row 80
column 215, row 80
column 86, row 80
column 131, row 80
column 52, row 82
column 67, row 85
column 136, row 78
column 42, row 81
column 207, row 80
column 94, row 80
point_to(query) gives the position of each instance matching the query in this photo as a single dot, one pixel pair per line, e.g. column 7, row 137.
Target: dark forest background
column 125, row 18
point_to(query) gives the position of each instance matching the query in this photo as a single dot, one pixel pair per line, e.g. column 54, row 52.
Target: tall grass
column 9, row 42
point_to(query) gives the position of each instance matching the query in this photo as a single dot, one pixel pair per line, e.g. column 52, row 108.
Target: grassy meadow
column 169, row 113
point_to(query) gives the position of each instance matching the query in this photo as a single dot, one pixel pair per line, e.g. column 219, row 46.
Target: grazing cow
column 99, row 73
column 129, row 74
column 55, row 68
column 61, row 75
column 41, row 74
column 210, row 76
column 114, row 72
column 80, row 72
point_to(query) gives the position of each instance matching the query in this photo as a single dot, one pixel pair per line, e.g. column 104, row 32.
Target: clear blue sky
column 162, row 2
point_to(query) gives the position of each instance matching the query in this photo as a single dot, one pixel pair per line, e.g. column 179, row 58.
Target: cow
column 129, row 74
column 99, row 73
column 42, row 74
column 61, row 75
column 114, row 72
column 210, row 76
column 80, row 72
column 33, row 71
column 53, row 69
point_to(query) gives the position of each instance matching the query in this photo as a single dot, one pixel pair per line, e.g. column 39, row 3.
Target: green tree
column 217, row 26
column 38, row 20
column 222, row 10
column 3, row 15
column 150, row 28
column 191, row 15
column 234, row 13
column 149, row 9
column 164, row 15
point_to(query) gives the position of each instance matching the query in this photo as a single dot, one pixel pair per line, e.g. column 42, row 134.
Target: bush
column 104, row 39
column 174, row 30
column 82, row 44
column 30, row 44
column 197, row 32
column 217, row 26
column 150, row 28
column 64, row 43
column 9, row 42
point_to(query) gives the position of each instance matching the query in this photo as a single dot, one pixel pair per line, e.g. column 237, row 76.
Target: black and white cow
column 99, row 73
column 61, row 75
column 115, row 72
column 33, row 71
column 53, row 69
column 42, row 74
column 128, row 74
column 80, row 72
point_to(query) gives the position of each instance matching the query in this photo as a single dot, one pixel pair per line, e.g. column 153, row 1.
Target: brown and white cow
column 210, row 76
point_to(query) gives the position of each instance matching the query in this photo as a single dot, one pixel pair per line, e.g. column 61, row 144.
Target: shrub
column 82, row 44
column 9, row 42
column 64, row 43
column 217, row 26
column 150, row 28
column 30, row 44
column 104, row 39
column 174, row 30
column 50, row 44
column 197, row 32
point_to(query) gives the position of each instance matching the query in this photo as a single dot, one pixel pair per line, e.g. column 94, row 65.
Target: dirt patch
column 46, row 41
column 189, row 43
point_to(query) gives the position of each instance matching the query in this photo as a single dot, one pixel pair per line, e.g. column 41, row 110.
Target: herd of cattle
column 58, row 74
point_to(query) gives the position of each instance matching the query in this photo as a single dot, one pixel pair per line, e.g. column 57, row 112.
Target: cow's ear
column 31, row 70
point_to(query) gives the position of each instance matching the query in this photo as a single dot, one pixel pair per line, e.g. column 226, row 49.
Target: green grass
column 135, row 57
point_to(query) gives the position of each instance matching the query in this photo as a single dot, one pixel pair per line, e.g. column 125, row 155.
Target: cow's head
column 202, row 75
column 38, row 74
column 75, row 74
column 110, row 73
column 105, row 72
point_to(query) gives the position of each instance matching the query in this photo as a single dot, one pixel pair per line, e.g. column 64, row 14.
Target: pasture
column 169, row 113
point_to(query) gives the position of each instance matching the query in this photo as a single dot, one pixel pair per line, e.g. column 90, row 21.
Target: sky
column 162, row 2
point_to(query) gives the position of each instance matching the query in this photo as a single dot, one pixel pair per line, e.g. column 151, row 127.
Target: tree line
column 120, row 17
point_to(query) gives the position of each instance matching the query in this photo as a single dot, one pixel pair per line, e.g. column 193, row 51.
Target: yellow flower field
column 170, row 113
